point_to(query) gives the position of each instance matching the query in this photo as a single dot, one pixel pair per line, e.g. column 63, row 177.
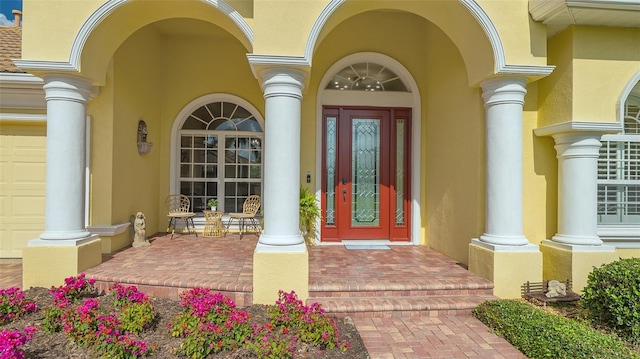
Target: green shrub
column 539, row 334
column 612, row 297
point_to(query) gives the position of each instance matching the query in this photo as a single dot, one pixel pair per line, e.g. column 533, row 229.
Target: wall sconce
column 308, row 176
column 143, row 146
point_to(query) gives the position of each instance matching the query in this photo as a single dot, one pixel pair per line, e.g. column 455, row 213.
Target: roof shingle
column 10, row 48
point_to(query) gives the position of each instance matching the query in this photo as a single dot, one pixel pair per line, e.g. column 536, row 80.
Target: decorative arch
column 107, row 9
column 474, row 9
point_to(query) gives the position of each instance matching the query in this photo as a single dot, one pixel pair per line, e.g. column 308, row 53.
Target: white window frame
column 624, row 233
column 174, row 172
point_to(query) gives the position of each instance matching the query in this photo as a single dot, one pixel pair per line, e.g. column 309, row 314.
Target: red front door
column 365, row 174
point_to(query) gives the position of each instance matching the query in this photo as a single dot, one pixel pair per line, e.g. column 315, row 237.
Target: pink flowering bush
column 11, row 340
column 107, row 335
column 13, row 304
column 135, row 311
column 209, row 323
column 269, row 342
column 309, row 322
column 102, row 334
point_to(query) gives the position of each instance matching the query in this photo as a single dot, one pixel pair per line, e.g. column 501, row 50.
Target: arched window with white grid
column 220, row 155
column 619, row 170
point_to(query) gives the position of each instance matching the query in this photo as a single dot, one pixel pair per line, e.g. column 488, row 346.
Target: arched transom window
column 366, row 76
column 220, row 156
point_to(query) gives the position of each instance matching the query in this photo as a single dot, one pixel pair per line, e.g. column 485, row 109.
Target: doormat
column 369, row 247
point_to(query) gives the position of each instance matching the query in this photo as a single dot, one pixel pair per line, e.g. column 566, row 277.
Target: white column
column 66, row 98
column 503, row 100
column 577, row 187
column 281, row 196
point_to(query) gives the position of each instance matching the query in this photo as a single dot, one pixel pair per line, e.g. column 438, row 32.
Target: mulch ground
column 57, row 345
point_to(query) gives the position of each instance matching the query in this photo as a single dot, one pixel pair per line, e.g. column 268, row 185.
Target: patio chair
column 179, row 207
column 250, row 208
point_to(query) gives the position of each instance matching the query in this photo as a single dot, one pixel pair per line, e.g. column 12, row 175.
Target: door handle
column 344, row 180
column 344, row 195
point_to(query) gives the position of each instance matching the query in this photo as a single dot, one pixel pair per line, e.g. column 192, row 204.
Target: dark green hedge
column 539, row 334
column 612, row 297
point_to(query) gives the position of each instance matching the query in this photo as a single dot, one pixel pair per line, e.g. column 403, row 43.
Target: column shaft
column 281, row 198
column 504, row 99
column 66, row 98
column 577, row 188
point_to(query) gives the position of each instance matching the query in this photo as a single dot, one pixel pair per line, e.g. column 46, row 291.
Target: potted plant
column 309, row 212
column 213, row 203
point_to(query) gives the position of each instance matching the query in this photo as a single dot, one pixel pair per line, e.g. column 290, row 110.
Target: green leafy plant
column 612, row 297
column 212, row 202
column 135, row 311
column 271, row 343
column 13, row 304
column 309, row 212
column 539, row 334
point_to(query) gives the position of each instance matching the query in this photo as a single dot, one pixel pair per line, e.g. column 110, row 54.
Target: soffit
column 559, row 14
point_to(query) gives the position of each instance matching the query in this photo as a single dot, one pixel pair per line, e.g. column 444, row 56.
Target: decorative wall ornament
column 143, row 146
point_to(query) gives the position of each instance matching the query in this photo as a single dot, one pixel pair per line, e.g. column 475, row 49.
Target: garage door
column 22, row 187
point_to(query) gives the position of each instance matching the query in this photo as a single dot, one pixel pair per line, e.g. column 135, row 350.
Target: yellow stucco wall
column 585, row 56
column 22, row 185
column 540, row 175
column 61, row 262
column 524, row 41
column 453, row 174
column 275, row 271
column 60, row 20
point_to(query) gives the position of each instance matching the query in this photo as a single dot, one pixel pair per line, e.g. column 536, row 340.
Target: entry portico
column 448, row 161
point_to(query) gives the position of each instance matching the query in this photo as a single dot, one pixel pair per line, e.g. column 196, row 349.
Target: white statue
column 139, row 227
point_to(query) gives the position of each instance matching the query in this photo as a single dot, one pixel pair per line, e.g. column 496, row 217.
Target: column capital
column 282, row 82
column 504, row 90
column 66, row 87
column 577, row 144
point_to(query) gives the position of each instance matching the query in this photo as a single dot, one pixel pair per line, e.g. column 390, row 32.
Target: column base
column 508, row 267
column 575, row 262
column 577, row 240
column 274, row 271
column 47, row 263
column 280, row 240
column 504, row 240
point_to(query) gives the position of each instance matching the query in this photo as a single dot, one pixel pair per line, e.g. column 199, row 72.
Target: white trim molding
column 109, row 230
column 23, row 117
column 21, row 91
column 620, row 236
column 576, row 126
column 110, row 6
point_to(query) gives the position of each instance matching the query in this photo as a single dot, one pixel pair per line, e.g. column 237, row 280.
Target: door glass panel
column 399, row 172
column 330, row 216
column 365, row 172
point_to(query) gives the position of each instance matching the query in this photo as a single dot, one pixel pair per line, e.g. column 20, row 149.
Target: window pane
column 365, row 172
column 619, row 172
column 400, row 172
column 330, row 154
column 212, row 150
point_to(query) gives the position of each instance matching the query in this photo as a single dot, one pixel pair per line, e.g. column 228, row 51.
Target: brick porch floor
column 400, row 299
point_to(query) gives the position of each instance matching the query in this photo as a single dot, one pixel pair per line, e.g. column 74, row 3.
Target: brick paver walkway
column 230, row 259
